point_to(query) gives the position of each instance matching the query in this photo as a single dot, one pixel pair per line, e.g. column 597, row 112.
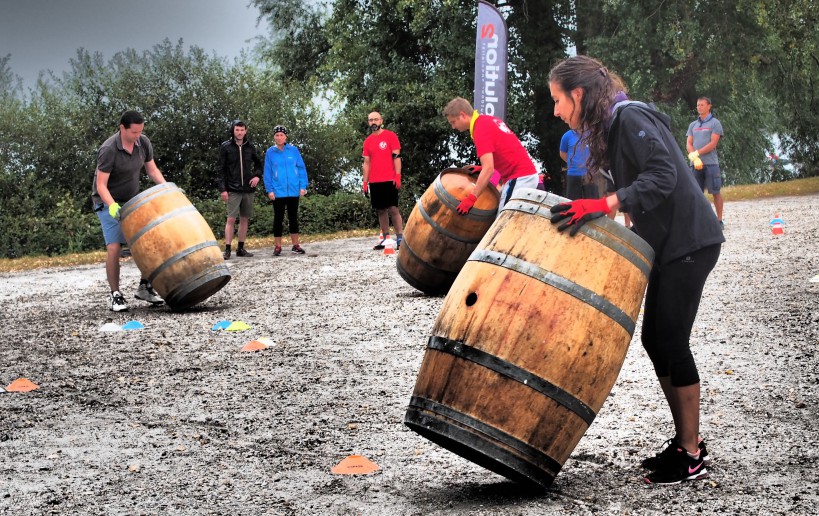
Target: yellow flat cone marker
column 254, row 345
column 22, row 385
column 355, row 465
column 238, row 326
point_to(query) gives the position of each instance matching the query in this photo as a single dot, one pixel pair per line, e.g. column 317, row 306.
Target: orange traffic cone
column 355, row 465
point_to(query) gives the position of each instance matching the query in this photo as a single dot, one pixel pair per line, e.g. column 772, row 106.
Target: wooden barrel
column 173, row 246
column 530, row 340
column 437, row 239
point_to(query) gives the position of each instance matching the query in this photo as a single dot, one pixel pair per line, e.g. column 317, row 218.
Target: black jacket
column 234, row 169
column 656, row 186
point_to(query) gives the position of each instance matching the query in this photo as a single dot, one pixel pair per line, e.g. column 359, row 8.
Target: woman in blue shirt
column 285, row 179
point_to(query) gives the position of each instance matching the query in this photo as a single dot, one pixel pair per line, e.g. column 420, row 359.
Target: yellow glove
column 113, row 210
column 694, row 156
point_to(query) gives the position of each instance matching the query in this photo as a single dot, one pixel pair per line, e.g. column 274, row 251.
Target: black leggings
column 292, row 204
column 672, row 300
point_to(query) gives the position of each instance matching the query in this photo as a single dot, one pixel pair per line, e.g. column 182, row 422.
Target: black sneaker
column 296, row 249
column 277, row 250
column 118, row 303
column 653, row 463
column 243, row 252
column 380, row 245
column 226, row 254
column 677, row 466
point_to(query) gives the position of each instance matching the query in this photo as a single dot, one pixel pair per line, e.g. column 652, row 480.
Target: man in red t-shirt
column 498, row 149
column 382, row 177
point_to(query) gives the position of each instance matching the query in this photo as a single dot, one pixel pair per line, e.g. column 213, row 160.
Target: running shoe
column 277, row 250
column 118, row 303
column 652, row 463
column 243, row 252
column 677, row 466
column 147, row 293
column 380, row 245
column 296, row 249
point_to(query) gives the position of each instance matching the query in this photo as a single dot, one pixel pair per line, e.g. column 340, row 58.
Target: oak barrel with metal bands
column 173, row 246
column 437, row 239
column 530, row 340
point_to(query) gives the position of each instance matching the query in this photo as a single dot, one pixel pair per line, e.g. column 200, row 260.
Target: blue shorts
column 111, row 230
column 709, row 177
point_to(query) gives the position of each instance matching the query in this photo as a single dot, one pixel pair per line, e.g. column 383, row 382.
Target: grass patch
column 809, row 186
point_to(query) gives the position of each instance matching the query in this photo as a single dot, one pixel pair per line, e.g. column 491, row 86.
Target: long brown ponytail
column 599, row 87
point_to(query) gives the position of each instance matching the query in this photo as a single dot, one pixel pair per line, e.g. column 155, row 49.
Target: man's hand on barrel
column 466, row 204
column 113, row 210
column 578, row 212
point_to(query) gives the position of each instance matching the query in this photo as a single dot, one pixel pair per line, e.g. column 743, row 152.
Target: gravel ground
column 175, row 419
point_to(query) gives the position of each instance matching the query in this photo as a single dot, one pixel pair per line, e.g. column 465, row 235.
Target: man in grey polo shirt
column 120, row 160
column 703, row 136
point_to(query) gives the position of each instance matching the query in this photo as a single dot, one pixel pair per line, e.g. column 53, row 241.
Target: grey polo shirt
column 123, row 167
column 702, row 131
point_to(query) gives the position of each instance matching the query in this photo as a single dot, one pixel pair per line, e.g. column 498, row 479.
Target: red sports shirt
column 511, row 159
column 379, row 148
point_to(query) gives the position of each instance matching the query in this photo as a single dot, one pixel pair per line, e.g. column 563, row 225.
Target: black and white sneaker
column 146, row 292
column 678, row 466
column 296, row 249
column 118, row 303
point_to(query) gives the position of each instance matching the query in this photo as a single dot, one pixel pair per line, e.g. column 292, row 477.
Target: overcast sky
column 45, row 34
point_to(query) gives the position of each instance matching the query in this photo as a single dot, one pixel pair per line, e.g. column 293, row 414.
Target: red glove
column 578, row 212
column 397, row 181
column 467, row 204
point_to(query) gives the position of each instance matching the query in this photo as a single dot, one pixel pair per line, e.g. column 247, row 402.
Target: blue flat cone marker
column 110, row 327
column 221, row 325
column 355, row 465
column 133, row 325
column 238, row 326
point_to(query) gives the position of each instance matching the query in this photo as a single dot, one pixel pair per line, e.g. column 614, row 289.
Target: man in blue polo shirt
column 703, row 136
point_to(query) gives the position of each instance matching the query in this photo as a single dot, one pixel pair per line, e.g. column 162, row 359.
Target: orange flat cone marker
column 389, row 250
column 22, row 385
column 254, row 345
column 355, row 465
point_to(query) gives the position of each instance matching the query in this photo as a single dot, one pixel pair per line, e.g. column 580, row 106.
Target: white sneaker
column 118, row 303
column 147, row 293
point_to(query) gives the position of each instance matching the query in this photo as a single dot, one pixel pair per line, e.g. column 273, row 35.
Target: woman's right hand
column 271, row 196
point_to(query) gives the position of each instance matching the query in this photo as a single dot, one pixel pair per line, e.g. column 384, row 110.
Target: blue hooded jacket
column 284, row 171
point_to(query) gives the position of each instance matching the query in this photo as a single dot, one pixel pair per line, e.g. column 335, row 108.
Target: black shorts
column 383, row 195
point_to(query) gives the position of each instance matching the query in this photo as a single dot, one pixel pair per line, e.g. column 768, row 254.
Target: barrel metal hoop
column 179, row 256
column 642, row 261
column 147, row 196
column 512, row 371
column 437, row 227
column 210, row 274
column 452, row 203
column 154, row 223
column 559, row 282
column 538, row 457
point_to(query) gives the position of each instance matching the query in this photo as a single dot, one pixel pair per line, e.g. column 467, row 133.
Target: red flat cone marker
column 22, row 385
column 389, row 250
column 254, row 345
column 355, row 465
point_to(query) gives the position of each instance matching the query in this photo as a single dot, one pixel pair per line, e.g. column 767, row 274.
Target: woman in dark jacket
column 655, row 187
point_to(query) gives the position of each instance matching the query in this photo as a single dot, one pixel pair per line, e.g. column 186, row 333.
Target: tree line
column 326, row 65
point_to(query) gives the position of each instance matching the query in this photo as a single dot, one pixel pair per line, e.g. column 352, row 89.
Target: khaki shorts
column 240, row 204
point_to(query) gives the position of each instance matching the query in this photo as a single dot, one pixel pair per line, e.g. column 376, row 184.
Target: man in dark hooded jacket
column 238, row 172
